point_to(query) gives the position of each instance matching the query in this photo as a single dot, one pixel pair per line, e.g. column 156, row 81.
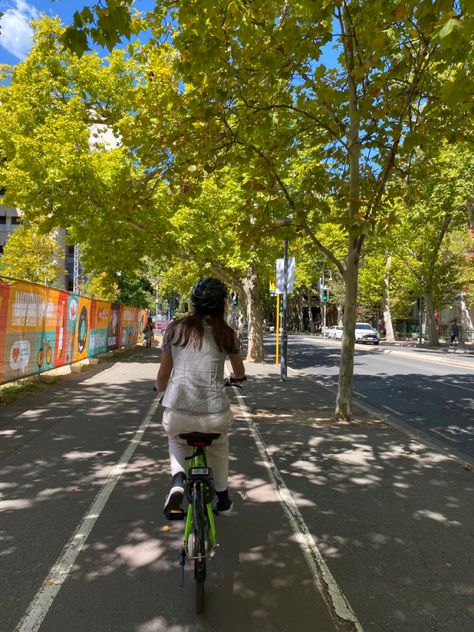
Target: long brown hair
column 191, row 329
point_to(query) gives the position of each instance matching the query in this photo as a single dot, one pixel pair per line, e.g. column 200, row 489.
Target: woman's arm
column 164, row 372
column 238, row 368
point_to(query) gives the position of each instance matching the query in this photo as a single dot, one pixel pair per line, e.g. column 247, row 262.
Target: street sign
column 280, row 276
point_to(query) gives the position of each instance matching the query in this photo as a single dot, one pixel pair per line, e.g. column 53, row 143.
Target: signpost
column 285, row 281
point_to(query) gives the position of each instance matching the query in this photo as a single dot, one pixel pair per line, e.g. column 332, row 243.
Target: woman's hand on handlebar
column 233, row 381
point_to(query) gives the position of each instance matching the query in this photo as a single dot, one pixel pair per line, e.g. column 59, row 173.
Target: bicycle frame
column 199, row 476
column 199, row 529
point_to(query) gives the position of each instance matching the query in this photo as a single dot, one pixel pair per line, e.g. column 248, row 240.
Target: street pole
column 284, row 334
column 277, row 330
column 323, row 305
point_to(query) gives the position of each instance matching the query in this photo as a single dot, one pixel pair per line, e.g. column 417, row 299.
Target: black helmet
column 209, row 295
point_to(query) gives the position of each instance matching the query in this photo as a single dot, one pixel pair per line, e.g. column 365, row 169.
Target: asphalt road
column 430, row 391
column 84, row 546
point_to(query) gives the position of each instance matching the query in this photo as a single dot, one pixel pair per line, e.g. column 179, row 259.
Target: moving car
column 364, row 332
column 334, row 332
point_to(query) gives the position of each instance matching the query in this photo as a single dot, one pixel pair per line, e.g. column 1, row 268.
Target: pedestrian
column 455, row 333
column 148, row 332
column 191, row 374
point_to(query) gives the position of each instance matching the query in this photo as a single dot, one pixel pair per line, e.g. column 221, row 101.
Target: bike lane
column 126, row 574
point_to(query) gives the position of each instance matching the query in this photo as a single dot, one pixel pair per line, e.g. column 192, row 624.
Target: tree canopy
column 324, row 111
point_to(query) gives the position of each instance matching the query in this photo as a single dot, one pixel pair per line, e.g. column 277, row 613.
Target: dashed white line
column 322, row 576
column 44, row 598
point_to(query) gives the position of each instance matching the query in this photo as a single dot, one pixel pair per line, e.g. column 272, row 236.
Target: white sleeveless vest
column 196, row 384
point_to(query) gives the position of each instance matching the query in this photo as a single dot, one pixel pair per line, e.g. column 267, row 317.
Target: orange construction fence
column 42, row 328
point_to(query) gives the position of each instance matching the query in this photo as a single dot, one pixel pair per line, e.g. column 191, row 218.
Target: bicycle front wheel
column 199, row 547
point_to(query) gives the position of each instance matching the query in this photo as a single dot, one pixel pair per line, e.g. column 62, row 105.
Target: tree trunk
column 346, row 371
column 300, row 311
column 431, row 320
column 311, row 325
column 387, row 314
column 254, row 316
column 354, row 246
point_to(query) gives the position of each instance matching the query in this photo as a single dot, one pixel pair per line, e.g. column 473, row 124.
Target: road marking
column 445, row 436
column 44, row 598
column 434, row 357
column 392, row 410
column 463, row 388
column 324, row 581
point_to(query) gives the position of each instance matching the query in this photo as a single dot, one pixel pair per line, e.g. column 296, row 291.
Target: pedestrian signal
column 325, row 295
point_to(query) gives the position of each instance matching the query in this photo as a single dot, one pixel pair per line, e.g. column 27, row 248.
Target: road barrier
column 42, row 328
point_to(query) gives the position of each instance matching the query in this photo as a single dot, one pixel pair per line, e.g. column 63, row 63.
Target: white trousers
column 176, row 422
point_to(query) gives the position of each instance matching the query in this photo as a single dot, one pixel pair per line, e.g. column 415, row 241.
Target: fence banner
column 42, row 328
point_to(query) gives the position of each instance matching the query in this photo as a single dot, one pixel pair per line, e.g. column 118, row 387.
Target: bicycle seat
column 199, row 439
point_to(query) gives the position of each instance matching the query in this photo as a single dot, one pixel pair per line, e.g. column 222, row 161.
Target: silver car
column 335, row 332
column 364, row 332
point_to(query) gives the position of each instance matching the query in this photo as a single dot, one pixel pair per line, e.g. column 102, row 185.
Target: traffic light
column 324, row 294
column 235, row 298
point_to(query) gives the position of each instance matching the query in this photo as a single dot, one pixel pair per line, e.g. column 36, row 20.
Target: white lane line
column 442, row 434
column 322, row 577
column 463, row 388
column 44, row 598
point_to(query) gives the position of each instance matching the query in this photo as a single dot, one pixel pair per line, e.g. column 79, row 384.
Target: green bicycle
column 200, row 529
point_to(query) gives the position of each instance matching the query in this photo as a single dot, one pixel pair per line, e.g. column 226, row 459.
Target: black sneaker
column 173, row 509
column 224, row 504
column 222, row 510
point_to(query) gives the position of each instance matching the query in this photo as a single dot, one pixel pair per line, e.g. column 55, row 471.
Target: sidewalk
column 391, row 516
column 443, row 347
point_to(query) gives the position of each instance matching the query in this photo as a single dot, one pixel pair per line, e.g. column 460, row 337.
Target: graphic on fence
column 42, row 328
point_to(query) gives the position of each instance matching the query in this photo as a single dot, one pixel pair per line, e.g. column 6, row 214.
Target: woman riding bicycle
column 194, row 351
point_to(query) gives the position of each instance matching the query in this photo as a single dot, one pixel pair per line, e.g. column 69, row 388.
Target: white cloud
column 16, row 32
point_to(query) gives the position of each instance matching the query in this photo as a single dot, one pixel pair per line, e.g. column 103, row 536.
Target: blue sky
column 15, row 35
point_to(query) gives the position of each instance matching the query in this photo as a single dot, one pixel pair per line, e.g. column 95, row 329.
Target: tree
column 245, row 84
column 30, row 255
column 257, row 94
column 434, row 209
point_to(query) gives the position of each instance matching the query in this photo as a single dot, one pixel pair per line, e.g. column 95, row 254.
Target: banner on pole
column 281, row 282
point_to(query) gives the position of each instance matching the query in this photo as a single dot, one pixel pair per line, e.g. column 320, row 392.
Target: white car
column 364, row 332
column 334, row 332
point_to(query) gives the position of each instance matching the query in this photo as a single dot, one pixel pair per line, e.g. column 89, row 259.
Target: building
column 9, row 221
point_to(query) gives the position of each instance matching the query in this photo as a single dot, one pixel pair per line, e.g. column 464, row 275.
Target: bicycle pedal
column 174, row 514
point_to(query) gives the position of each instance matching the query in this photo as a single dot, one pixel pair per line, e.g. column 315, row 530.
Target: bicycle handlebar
column 232, row 381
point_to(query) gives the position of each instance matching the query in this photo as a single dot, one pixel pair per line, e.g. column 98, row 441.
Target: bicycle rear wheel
column 199, row 575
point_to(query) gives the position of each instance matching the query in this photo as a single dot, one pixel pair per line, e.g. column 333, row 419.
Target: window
column 16, row 221
column 3, row 219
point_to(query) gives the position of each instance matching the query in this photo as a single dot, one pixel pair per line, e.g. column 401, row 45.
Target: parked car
column 334, row 332
column 364, row 332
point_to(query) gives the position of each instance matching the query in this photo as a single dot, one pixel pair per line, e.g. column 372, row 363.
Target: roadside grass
column 28, row 386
